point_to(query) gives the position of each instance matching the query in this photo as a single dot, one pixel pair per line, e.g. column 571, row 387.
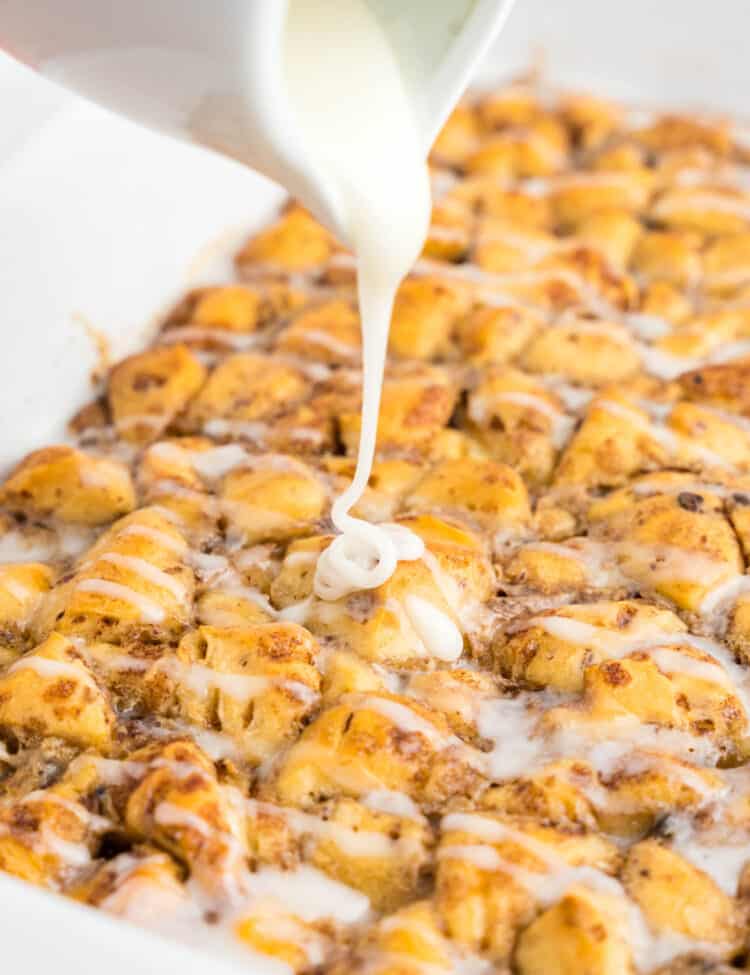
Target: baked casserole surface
column 191, row 740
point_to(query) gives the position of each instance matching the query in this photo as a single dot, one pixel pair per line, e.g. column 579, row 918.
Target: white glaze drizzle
column 148, row 609
column 558, row 877
column 367, row 164
column 148, row 571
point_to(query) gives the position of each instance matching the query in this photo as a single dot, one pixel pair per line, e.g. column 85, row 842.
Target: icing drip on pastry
column 380, row 179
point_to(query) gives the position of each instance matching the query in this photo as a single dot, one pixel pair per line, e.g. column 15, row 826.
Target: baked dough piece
column 271, row 930
column 458, row 694
column 449, row 235
column 243, row 389
column 417, row 403
column 726, row 263
column 425, row 315
column 135, row 885
column 390, row 624
column 672, row 256
column 22, row 589
column 69, row 485
column 135, row 579
column 373, row 742
column 584, row 927
column 295, row 242
column 495, row 334
column 574, row 567
column 147, row 391
column 177, row 804
column 710, row 211
column 590, row 353
column 676, row 896
column 234, row 308
column 390, row 481
column 327, row 332
column 382, row 853
column 458, row 136
column 409, row 942
column 476, row 491
column 625, row 435
column 489, row 871
column 520, row 421
column 626, row 797
column 723, row 386
column 48, row 838
column 555, row 648
column 273, row 499
column 679, row 543
column 257, row 684
column 51, row 692
column 576, row 199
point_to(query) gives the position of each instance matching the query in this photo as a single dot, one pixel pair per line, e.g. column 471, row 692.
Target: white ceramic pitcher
column 211, row 70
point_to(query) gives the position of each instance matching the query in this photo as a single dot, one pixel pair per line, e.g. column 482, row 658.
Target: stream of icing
column 380, row 179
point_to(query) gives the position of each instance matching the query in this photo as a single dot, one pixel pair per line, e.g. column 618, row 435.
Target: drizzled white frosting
column 557, row 877
column 436, row 630
column 380, row 179
column 148, row 609
column 364, row 556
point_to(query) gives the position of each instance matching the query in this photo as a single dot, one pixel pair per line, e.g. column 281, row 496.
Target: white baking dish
column 104, row 223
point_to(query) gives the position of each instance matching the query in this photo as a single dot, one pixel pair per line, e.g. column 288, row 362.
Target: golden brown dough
column 527, row 750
